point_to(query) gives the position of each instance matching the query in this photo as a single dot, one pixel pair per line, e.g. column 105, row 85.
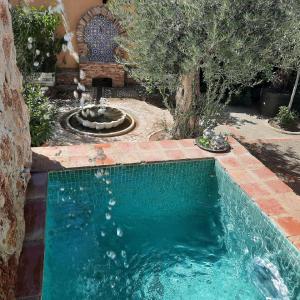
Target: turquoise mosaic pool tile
column 247, row 219
column 247, row 237
column 59, row 178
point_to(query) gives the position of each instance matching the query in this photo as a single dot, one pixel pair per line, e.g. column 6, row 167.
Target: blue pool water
column 167, row 231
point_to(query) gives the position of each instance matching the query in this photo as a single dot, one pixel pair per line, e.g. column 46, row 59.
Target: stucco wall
column 15, row 157
column 74, row 9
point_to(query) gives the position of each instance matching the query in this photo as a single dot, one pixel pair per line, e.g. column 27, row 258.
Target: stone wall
column 15, row 157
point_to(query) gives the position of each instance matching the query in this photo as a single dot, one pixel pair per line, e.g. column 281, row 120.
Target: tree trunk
column 187, row 95
column 294, row 90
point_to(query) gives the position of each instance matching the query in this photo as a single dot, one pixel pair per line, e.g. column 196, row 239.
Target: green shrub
column 285, row 117
column 42, row 114
column 35, row 41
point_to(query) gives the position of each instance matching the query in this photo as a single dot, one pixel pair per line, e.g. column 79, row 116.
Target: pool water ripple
column 161, row 231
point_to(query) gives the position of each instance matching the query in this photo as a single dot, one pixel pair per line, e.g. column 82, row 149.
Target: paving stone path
column 279, row 152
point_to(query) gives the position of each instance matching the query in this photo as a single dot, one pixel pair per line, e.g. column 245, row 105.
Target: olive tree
column 201, row 50
column 288, row 43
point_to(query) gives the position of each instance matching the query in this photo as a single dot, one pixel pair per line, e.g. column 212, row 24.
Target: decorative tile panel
column 99, row 35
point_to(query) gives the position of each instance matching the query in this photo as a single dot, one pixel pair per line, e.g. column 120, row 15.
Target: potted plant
column 287, row 62
column 286, row 121
column 278, row 93
column 286, row 118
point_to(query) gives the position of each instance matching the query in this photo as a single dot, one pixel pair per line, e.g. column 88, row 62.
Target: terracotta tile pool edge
column 273, row 197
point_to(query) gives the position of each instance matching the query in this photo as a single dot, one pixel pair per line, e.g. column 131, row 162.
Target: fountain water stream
column 112, row 255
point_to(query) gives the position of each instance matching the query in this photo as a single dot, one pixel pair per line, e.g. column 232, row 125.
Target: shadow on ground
column 285, row 163
column 239, row 115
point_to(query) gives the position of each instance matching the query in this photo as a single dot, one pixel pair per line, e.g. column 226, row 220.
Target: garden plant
column 289, row 44
column 42, row 114
column 289, row 50
column 35, row 40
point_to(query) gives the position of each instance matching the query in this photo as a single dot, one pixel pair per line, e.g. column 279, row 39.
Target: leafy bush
column 36, row 44
column 42, row 114
column 285, row 117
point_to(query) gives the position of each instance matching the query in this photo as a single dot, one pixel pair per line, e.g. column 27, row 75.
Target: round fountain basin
column 118, row 122
column 100, row 118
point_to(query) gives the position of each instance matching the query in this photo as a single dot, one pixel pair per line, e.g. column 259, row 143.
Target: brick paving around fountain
column 149, row 119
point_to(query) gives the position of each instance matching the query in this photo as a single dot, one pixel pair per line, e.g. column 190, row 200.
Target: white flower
column 36, row 63
column 30, row 40
column 29, row 46
column 37, row 52
column 48, row 54
column 75, row 80
column 76, row 94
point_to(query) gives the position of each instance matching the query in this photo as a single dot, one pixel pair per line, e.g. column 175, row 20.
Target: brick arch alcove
column 87, row 62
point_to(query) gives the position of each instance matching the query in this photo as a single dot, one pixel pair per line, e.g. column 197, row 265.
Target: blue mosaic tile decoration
column 99, row 35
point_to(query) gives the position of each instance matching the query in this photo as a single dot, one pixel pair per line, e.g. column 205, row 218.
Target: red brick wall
column 96, row 70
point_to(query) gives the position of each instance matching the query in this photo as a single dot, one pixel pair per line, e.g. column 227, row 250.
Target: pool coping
column 273, row 197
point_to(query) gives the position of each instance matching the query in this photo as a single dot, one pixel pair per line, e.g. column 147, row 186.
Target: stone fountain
column 99, row 120
column 100, row 117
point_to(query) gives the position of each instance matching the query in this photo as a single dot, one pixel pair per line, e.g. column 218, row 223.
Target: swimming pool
column 176, row 230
